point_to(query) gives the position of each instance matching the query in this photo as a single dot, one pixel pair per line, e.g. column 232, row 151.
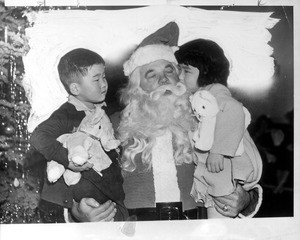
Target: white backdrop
column 244, row 36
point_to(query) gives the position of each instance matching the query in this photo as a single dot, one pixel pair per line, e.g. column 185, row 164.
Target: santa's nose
column 163, row 80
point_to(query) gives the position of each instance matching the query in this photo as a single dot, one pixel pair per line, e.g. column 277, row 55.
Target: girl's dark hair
column 75, row 64
column 208, row 57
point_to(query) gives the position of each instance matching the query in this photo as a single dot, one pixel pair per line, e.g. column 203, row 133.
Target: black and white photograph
column 149, row 119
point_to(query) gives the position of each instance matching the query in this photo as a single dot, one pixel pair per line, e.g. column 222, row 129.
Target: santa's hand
column 231, row 205
column 76, row 168
column 215, row 162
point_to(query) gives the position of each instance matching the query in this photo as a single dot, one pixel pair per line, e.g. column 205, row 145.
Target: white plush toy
column 86, row 144
column 205, row 108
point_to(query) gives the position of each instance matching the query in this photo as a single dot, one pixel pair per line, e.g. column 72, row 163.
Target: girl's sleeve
column 43, row 138
column 230, row 127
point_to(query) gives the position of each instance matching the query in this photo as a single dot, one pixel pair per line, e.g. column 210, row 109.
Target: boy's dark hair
column 75, row 64
column 208, row 57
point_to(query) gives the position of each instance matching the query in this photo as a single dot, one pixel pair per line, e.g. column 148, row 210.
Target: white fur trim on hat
column 148, row 54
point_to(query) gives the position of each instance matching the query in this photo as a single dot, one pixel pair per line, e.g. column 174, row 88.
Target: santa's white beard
column 144, row 119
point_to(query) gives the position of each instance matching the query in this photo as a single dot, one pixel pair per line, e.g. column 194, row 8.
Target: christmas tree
column 19, row 188
column 21, row 168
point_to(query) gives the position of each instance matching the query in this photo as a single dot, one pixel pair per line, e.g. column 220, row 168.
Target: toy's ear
column 97, row 116
column 198, row 95
column 195, row 98
column 207, row 95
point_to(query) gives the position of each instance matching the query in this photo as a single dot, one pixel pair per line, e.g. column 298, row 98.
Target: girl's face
column 191, row 75
column 92, row 88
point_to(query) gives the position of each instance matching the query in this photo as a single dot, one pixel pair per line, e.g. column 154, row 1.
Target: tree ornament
column 16, row 182
column 9, row 130
column 3, row 123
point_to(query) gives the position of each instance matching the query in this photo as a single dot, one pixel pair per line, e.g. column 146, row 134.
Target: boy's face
column 92, row 88
column 156, row 74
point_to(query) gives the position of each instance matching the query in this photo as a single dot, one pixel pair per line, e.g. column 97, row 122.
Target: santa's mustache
column 179, row 89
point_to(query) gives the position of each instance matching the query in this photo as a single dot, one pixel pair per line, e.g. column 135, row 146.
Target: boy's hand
column 215, row 162
column 76, row 168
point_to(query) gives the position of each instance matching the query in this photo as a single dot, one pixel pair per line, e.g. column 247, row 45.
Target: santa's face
column 156, row 74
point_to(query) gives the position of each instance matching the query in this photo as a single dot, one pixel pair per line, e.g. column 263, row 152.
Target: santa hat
column 161, row 45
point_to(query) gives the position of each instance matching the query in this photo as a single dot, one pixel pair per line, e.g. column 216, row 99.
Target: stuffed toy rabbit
column 205, row 108
column 94, row 135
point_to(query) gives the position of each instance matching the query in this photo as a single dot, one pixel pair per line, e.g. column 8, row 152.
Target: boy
column 82, row 72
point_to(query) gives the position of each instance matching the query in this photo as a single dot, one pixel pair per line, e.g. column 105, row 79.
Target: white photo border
column 255, row 228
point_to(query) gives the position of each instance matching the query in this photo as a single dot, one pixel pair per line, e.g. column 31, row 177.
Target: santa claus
column 155, row 130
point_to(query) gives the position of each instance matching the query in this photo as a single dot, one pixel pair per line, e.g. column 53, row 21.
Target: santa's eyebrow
column 169, row 65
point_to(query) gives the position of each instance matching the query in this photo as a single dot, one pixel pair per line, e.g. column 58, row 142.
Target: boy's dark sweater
column 109, row 186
